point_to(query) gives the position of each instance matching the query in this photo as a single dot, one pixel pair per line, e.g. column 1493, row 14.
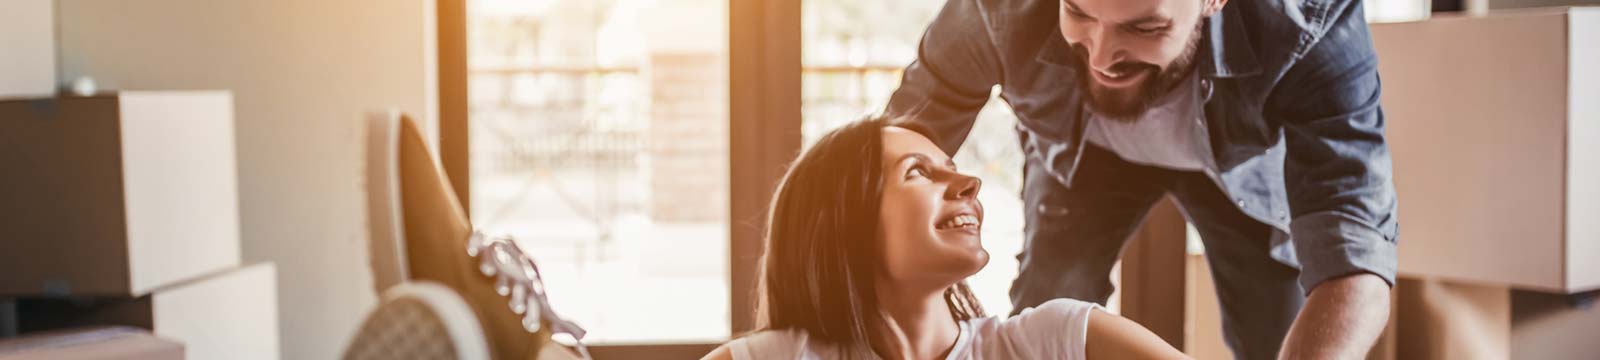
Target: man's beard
column 1127, row 104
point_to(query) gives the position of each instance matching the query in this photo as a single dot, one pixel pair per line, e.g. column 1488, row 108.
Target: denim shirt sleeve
column 956, row 67
column 1337, row 171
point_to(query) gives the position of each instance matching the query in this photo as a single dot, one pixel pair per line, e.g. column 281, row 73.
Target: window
column 599, row 141
column 852, row 56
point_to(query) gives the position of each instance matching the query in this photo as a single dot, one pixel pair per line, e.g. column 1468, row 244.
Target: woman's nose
column 964, row 187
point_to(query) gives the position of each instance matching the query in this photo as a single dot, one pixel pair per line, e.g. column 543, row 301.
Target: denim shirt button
column 1241, row 204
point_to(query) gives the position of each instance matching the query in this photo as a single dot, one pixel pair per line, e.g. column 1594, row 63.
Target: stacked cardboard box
column 1492, row 121
column 122, row 209
column 1492, row 125
column 230, row 314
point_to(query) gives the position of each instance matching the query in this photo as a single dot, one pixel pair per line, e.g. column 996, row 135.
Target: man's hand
column 1342, row 319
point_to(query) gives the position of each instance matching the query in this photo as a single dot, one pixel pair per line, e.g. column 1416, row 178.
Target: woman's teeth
column 960, row 221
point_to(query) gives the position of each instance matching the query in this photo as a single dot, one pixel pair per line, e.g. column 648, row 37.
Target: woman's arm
column 1115, row 337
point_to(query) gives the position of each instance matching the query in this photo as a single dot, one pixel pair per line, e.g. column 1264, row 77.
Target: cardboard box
column 28, row 35
column 1548, row 326
column 116, row 195
column 228, row 315
column 1445, row 320
column 105, row 343
column 1492, row 124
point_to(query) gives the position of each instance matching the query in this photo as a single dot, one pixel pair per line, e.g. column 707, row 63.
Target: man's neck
column 918, row 323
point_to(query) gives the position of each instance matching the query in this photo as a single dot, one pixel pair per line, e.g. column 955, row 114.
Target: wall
column 302, row 72
column 1517, row 4
column 28, row 64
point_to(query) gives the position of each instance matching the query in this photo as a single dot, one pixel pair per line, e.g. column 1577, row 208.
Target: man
column 1260, row 117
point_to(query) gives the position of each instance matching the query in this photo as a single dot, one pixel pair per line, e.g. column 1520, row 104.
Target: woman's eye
column 916, row 171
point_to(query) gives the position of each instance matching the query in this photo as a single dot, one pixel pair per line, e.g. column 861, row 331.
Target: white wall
column 27, row 66
column 1516, row 4
column 302, row 72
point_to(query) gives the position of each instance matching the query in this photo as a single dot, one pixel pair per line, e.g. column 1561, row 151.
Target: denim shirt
column 1293, row 115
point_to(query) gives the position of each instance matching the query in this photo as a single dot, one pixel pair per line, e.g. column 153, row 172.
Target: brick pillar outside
column 688, row 137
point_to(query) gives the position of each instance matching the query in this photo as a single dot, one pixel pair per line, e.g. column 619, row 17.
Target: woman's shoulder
column 1064, row 329
column 1056, row 310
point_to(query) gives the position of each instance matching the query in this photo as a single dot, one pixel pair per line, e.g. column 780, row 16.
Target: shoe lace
column 516, row 275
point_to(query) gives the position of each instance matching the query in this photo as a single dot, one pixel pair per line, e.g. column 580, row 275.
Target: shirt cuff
column 1330, row 245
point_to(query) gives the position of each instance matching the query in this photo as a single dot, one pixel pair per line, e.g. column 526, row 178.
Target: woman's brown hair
column 822, row 250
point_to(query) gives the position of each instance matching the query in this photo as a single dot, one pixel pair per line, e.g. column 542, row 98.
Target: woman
column 871, row 236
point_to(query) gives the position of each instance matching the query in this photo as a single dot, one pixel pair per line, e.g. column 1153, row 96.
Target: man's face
column 1133, row 51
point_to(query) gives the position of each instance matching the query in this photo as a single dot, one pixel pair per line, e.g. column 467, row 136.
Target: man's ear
column 1213, row 6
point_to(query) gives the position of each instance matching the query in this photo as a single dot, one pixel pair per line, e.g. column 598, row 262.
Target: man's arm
column 1341, row 192
column 956, row 67
column 1341, row 319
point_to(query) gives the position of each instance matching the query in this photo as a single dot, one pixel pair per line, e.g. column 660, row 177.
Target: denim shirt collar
column 1226, row 48
column 1229, row 47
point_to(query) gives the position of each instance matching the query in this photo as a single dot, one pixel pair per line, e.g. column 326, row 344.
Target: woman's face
column 930, row 214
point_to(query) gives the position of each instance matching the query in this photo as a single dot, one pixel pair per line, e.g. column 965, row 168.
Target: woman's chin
column 980, row 258
column 969, row 261
column 969, row 247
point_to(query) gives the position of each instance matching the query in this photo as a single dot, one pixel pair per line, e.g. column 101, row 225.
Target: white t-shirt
column 1054, row 330
column 1172, row 134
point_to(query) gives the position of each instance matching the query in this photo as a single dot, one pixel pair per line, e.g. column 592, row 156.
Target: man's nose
column 1104, row 51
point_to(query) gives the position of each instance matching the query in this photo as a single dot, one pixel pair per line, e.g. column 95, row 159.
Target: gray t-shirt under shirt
column 1171, row 134
column 1056, row 329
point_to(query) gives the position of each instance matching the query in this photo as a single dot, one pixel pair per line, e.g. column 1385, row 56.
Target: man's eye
column 1076, row 14
column 1149, row 30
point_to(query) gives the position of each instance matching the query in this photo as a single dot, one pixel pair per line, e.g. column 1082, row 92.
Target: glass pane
column 853, row 53
column 599, row 141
